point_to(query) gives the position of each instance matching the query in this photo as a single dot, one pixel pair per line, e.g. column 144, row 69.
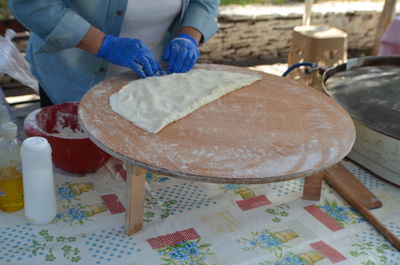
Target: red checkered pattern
column 332, row 254
column 173, row 239
column 121, row 171
column 323, row 217
column 254, row 202
column 113, row 204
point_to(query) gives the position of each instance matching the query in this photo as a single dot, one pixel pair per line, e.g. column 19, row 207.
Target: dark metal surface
column 369, row 89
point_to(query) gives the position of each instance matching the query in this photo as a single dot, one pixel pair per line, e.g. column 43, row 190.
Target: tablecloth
column 201, row 223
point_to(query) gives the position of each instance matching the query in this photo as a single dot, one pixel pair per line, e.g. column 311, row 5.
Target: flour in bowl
column 63, row 128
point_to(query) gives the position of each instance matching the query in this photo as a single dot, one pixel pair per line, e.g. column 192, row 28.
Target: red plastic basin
column 72, row 151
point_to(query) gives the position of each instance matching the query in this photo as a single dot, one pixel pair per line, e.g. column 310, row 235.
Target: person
column 75, row 44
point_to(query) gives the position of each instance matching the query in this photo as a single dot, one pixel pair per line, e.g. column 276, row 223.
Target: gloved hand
column 130, row 53
column 181, row 54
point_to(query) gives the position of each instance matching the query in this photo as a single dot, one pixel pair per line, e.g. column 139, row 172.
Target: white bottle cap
column 9, row 129
column 35, row 143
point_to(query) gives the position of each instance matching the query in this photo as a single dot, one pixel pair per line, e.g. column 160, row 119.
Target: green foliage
column 278, row 211
column 263, row 239
column 246, row 2
column 151, row 203
column 44, row 244
column 341, row 214
column 365, row 249
column 186, row 253
column 242, row 2
column 4, row 11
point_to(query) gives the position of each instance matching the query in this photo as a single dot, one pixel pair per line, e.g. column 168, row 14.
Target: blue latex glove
column 181, row 54
column 130, row 53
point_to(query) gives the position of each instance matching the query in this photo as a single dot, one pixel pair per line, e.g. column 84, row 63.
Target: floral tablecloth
column 200, row 223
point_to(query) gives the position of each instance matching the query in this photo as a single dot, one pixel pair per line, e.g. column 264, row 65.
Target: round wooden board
column 273, row 130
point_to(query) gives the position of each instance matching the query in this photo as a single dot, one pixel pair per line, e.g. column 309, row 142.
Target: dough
column 154, row 102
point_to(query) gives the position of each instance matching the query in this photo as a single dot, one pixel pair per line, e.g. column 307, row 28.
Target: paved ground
column 259, row 10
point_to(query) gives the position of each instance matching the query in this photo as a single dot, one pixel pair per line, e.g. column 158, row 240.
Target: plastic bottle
column 4, row 115
column 37, row 171
column 11, row 191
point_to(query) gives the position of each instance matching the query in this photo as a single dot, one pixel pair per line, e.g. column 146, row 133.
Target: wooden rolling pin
column 358, row 196
column 344, row 182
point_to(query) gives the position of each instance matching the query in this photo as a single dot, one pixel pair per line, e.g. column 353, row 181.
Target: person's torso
column 68, row 74
column 149, row 23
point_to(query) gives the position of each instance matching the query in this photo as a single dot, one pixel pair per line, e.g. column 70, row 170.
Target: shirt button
column 119, row 12
column 102, row 69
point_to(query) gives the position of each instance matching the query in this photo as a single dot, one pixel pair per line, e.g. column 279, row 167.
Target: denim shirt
column 66, row 73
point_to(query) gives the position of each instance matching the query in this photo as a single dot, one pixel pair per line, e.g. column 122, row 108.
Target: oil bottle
column 11, row 189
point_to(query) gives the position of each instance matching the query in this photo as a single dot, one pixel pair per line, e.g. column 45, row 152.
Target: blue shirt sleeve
column 202, row 15
column 56, row 24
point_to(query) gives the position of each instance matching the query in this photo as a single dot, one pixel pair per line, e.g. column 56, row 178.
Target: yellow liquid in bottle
column 11, row 190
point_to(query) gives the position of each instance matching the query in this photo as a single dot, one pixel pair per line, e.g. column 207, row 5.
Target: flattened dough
column 154, row 102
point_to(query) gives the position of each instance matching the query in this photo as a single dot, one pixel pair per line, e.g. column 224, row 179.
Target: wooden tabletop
column 273, row 130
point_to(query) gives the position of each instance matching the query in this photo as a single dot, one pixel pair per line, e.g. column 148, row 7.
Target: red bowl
column 72, row 150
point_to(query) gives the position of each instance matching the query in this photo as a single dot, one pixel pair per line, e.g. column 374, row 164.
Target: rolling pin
column 358, row 196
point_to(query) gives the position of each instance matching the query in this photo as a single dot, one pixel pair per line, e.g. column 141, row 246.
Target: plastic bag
column 13, row 63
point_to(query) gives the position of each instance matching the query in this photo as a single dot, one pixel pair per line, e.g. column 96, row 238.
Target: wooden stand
column 312, row 187
column 273, row 130
column 136, row 195
column 321, row 44
column 136, row 178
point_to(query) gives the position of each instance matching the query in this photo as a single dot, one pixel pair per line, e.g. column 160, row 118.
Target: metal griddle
column 369, row 89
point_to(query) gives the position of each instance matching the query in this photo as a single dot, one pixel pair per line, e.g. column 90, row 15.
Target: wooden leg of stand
column 312, row 187
column 135, row 199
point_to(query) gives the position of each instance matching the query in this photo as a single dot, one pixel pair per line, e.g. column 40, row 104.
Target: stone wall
column 261, row 33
